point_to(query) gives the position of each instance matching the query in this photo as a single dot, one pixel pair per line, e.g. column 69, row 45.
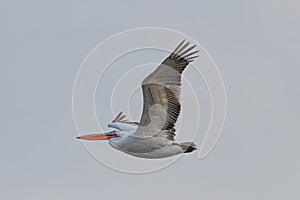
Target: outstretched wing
column 121, row 118
column 161, row 94
column 122, row 124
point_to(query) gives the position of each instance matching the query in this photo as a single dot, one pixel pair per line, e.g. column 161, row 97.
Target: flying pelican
column 153, row 136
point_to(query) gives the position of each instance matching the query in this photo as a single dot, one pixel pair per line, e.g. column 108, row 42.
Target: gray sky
column 254, row 43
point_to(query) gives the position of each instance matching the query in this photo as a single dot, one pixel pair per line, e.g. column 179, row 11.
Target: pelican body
column 153, row 136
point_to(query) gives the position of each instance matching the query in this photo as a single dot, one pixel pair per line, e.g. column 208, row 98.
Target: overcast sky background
column 256, row 45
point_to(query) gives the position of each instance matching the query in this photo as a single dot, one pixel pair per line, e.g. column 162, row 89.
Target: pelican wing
column 121, row 118
column 120, row 123
column 161, row 94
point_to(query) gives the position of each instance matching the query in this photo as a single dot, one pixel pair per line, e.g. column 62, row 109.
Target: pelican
column 154, row 136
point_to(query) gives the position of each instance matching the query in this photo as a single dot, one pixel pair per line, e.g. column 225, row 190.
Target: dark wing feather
column 161, row 94
column 121, row 118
